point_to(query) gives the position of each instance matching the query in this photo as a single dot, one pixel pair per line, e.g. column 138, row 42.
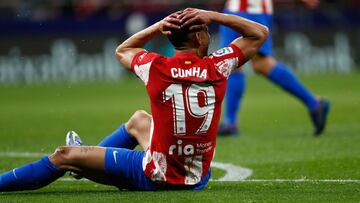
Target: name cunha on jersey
column 191, row 72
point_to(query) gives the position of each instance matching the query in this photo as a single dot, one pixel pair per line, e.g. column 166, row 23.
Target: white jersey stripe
column 143, row 72
column 251, row 6
column 269, row 6
column 233, row 5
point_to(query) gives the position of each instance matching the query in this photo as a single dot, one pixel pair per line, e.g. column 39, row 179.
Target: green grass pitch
column 276, row 141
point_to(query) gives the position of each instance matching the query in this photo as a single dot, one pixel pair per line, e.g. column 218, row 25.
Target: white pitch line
column 233, row 172
column 262, row 180
column 304, row 180
column 22, row 154
column 73, row 179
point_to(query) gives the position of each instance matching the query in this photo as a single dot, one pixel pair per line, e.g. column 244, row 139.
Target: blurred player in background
column 265, row 64
column 186, row 93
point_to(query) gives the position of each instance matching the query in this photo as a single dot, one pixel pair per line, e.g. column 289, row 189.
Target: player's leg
column 119, row 138
column 265, row 64
column 135, row 131
column 281, row 75
column 233, row 97
column 111, row 166
column 139, row 126
column 234, row 90
column 131, row 175
column 284, row 77
column 89, row 161
column 30, row 176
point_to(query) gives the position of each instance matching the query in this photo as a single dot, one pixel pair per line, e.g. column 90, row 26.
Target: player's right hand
column 169, row 23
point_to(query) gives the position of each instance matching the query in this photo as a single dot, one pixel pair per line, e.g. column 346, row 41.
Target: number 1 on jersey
column 206, row 111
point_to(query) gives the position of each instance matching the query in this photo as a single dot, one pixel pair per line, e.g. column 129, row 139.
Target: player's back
column 188, row 90
column 185, row 93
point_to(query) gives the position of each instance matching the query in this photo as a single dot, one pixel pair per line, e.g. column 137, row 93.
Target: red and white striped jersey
column 250, row 6
column 185, row 94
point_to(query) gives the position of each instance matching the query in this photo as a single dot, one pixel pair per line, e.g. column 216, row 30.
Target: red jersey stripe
column 243, row 5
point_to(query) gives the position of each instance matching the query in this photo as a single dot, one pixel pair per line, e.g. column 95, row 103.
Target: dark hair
column 182, row 37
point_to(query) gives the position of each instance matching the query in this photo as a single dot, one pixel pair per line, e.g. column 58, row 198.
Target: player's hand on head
column 195, row 18
column 169, row 23
column 311, row 3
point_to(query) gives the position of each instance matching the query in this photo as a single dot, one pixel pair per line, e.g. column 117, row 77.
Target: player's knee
column 260, row 70
column 139, row 121
column 141, row 114
column 61, row 157
column 263, row 65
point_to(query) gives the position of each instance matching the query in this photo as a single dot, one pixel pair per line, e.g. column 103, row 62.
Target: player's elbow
column 257, row 33
column 125, row 55
column 120, row 52
column 263, row 33
column 260, row 36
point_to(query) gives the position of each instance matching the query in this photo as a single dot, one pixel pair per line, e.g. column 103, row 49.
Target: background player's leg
column 285, row 78
column 135, row 131
column 278, row 73
column 234, row 90
column 282, row 76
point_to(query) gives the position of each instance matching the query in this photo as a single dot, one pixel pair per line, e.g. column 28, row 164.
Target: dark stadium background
column 61, row 40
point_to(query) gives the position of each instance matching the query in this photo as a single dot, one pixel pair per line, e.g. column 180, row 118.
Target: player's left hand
column 311, row 3
column 195, row 18
column 169, row 23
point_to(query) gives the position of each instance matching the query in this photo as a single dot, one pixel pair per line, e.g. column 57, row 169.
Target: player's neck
column 189, row 50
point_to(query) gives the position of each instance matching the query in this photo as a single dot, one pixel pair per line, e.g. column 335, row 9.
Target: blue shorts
column 227, row 35
column 124, row 168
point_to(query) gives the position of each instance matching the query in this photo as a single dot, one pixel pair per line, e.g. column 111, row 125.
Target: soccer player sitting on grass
column 179, row 138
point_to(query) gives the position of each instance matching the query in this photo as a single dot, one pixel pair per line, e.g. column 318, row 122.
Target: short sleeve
column 227, row 59
column 141, row 64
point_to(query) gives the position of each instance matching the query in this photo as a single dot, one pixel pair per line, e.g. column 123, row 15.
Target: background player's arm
column 253, row 34
column 127, row 50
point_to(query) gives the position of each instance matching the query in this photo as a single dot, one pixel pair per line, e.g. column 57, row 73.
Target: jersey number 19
column 176, row 94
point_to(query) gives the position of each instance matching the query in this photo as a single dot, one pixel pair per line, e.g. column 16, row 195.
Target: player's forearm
column 127, row 50
column 139, row 39
column 247, row 28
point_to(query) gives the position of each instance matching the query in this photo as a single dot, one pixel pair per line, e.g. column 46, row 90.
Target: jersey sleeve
column 141, row 64
column 227, row 59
